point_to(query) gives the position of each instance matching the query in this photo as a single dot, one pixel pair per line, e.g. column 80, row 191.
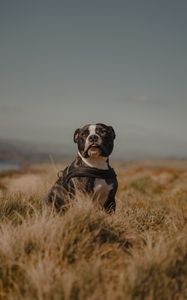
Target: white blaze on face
column 93, row 152
column 92, row 129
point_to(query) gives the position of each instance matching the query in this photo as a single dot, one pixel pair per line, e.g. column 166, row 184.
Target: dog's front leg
column 110, row 204
column 56, row 197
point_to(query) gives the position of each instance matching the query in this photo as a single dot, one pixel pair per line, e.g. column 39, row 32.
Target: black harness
column 72, row 172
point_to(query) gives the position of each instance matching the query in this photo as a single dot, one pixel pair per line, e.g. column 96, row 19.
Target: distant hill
column 24, row 151
column 28, row 151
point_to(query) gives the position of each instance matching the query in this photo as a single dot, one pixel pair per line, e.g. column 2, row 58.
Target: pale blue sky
column 67, row 63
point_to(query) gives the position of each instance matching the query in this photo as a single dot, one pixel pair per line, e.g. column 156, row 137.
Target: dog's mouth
column 94, row 150
column 94, row 146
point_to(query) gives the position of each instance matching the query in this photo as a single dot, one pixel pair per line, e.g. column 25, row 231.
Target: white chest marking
column 101, row 191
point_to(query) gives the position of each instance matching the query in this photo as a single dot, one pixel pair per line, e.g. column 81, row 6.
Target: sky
column 64, row 64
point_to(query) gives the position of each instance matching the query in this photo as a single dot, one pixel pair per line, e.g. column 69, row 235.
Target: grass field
column 138, row 253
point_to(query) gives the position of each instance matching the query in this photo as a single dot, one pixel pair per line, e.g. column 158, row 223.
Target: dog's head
column 95, row 140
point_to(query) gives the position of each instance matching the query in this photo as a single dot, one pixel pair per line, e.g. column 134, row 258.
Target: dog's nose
column 93, row 138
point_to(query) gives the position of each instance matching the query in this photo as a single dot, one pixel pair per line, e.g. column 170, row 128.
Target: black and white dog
column 90, row 172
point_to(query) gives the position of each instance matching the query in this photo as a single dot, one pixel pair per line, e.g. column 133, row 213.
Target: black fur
column 62, row 191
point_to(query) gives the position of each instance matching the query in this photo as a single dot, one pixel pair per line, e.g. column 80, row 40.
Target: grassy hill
column 140, row 252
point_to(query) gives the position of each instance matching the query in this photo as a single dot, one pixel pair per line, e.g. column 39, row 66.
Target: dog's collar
column 72, row 172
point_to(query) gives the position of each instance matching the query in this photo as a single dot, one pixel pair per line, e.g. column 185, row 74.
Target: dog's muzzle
column 95, row 148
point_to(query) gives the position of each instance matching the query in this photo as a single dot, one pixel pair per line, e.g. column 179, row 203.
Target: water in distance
column 9, row 165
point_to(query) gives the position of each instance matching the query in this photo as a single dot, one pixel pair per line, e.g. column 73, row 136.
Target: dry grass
column 138, row 253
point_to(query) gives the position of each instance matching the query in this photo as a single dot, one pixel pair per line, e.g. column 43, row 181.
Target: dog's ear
column 112, row 131
column 76, row 135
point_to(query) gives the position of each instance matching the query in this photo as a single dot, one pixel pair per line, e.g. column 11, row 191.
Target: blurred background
column 64, row 64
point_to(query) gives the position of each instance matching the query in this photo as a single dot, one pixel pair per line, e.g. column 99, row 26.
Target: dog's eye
column 85, row 133
column 103, row 131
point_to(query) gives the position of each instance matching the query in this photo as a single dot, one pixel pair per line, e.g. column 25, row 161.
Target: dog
column 90, row 172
